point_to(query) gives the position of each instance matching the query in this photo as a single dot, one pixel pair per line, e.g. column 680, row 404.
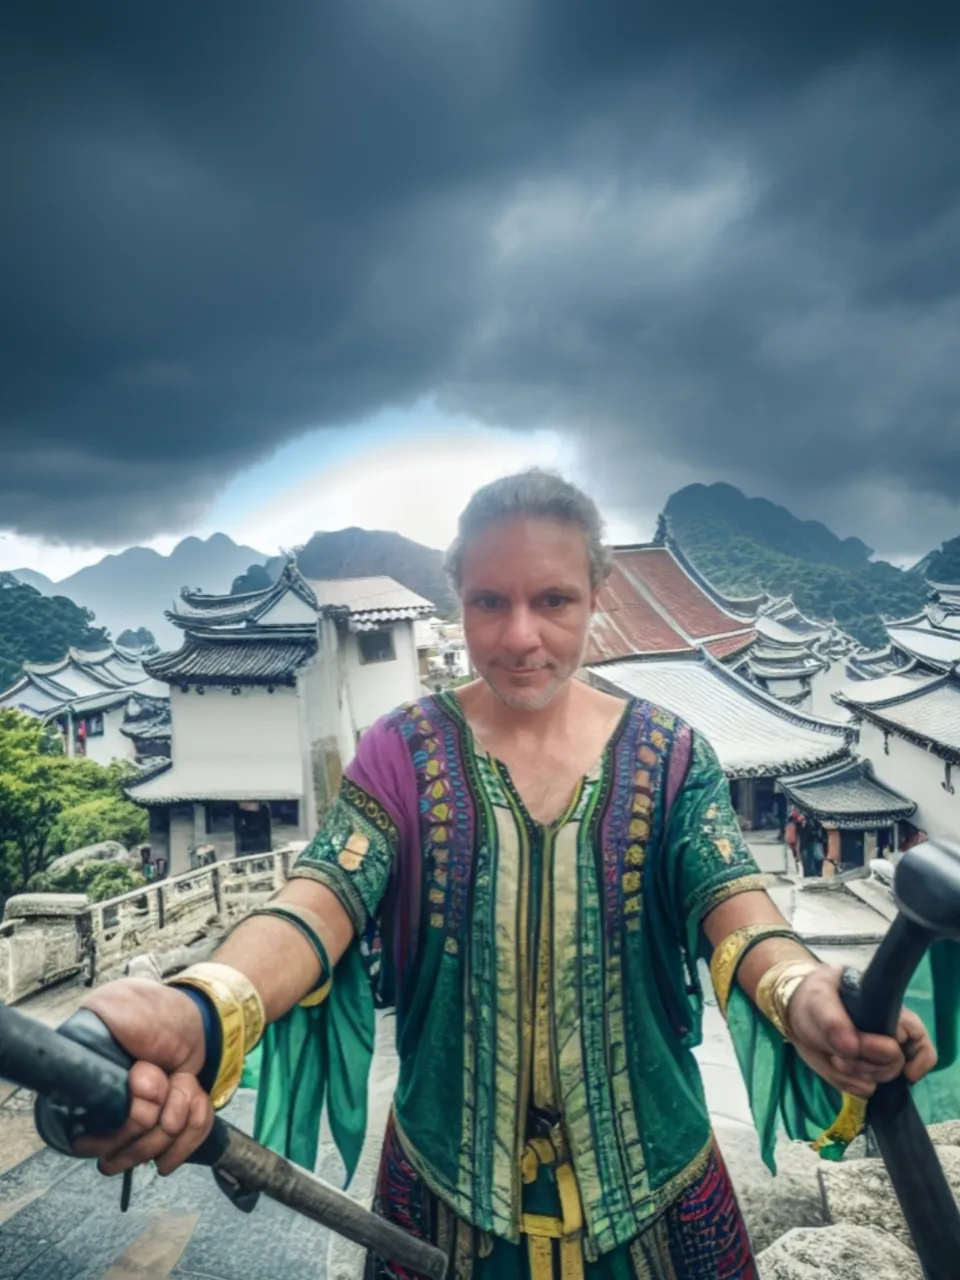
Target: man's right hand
column 170, row 1115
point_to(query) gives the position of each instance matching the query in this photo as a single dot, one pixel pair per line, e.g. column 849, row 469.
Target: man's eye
column 487, row 602
column 554, row 601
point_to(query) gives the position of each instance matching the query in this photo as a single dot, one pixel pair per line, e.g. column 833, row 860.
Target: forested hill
column 362, row 553
column 942, row 565
column 38, row 628
column 746, row 545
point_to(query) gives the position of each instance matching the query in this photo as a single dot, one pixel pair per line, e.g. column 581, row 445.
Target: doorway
column 253, row 827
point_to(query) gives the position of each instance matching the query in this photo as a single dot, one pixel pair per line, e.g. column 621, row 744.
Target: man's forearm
column 755, row 907
column 276, row 957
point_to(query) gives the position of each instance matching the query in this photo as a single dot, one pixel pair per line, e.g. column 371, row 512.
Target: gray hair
column 533, row 494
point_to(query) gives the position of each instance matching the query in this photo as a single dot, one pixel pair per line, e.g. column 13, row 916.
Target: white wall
column 111, row 744
column 917, row 774
column 290, row 610
column 223, row 736
column 374, row 688
column 825, row 685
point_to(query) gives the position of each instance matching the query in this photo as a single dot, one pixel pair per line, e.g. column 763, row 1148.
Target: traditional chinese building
column 798, row 659
column 94, row 699
column 909, row 729
column 653, row 602
column 758, row 739
column 930, row 639
column 269, row 694
column 857, row 813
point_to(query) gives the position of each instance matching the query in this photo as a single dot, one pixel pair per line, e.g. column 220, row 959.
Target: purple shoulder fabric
column 679, row 766
column 384, row 767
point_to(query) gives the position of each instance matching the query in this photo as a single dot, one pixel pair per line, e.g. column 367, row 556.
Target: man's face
column 527, row 603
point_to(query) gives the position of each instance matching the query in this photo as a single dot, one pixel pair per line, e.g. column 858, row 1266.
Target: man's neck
column 498, row 718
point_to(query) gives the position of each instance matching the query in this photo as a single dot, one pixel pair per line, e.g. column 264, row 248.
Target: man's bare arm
column 275, row 955
column 754, row 907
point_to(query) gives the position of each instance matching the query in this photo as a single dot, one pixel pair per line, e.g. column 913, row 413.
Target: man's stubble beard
column 545, row 696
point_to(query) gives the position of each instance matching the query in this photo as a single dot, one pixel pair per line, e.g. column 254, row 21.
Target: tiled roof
column 374, row 595
column 688, row 605
column 939, row 647
column 753, row 733
column 727, row 646
column 743, row 607
column 885, row 661
column 626, row 623
column 651, row 604
column 223, row 611
column 233, row 659
column 928, row 714
column 846, row 794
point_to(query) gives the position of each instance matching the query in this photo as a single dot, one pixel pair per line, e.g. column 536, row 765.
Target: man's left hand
column 851, row 1060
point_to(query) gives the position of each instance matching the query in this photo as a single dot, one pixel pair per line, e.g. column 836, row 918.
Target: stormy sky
column 706, row 241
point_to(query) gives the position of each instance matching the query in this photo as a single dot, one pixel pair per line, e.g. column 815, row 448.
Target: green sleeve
column 710, row 860
column 353, row 852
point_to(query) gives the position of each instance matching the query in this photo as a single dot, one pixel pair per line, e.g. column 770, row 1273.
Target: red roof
column 729, row 645
column 650, row 604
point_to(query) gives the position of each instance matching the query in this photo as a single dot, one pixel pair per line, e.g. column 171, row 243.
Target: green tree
column 38, row 628
column 48, row 801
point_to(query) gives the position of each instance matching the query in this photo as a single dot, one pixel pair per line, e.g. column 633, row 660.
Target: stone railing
column 42, row 942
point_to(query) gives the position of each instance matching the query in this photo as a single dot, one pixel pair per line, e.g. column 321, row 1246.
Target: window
column 285, row 813
column 376, row 646
column 95, row 727
column 219, row 818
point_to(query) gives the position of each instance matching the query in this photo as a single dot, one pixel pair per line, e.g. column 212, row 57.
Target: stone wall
column 40, row 947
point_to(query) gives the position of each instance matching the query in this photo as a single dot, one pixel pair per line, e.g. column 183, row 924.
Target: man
column 536, row 868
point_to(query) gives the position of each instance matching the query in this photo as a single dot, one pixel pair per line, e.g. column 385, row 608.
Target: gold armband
column 242, row 1019
column 777, row 988
column 729, row 953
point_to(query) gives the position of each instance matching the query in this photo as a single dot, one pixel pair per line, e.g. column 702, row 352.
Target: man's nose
column 522, row 633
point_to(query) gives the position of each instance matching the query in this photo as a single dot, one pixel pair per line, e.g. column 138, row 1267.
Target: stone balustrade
column 43, row 942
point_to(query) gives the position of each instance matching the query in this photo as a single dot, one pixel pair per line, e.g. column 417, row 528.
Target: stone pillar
column 832, row 860
column 199, row 825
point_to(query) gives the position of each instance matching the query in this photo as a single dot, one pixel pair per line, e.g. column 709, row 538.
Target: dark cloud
column 713, row 240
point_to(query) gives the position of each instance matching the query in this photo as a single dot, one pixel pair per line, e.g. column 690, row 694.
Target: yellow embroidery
column 642, row 779
column 639, row 828
column 658, row 740
column 450, row 946
column 631, row 882
column 354, row 851
column 437, row 896
column 725, row 849
column 635, row 855
column 711, row 813
column 436, row 920
column 631, row 906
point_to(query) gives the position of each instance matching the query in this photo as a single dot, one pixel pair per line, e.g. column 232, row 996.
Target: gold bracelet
column 728, row 954
column 777, row 988
column 242, row 1020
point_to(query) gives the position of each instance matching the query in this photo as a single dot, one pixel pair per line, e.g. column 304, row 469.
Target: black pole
column 874, row 1002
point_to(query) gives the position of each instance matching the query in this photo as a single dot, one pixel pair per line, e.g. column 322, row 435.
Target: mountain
column 39, row 581
column 745, row 545
column 38, row 628
column 942, row 565
column 132, row 588
column 361, row 553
